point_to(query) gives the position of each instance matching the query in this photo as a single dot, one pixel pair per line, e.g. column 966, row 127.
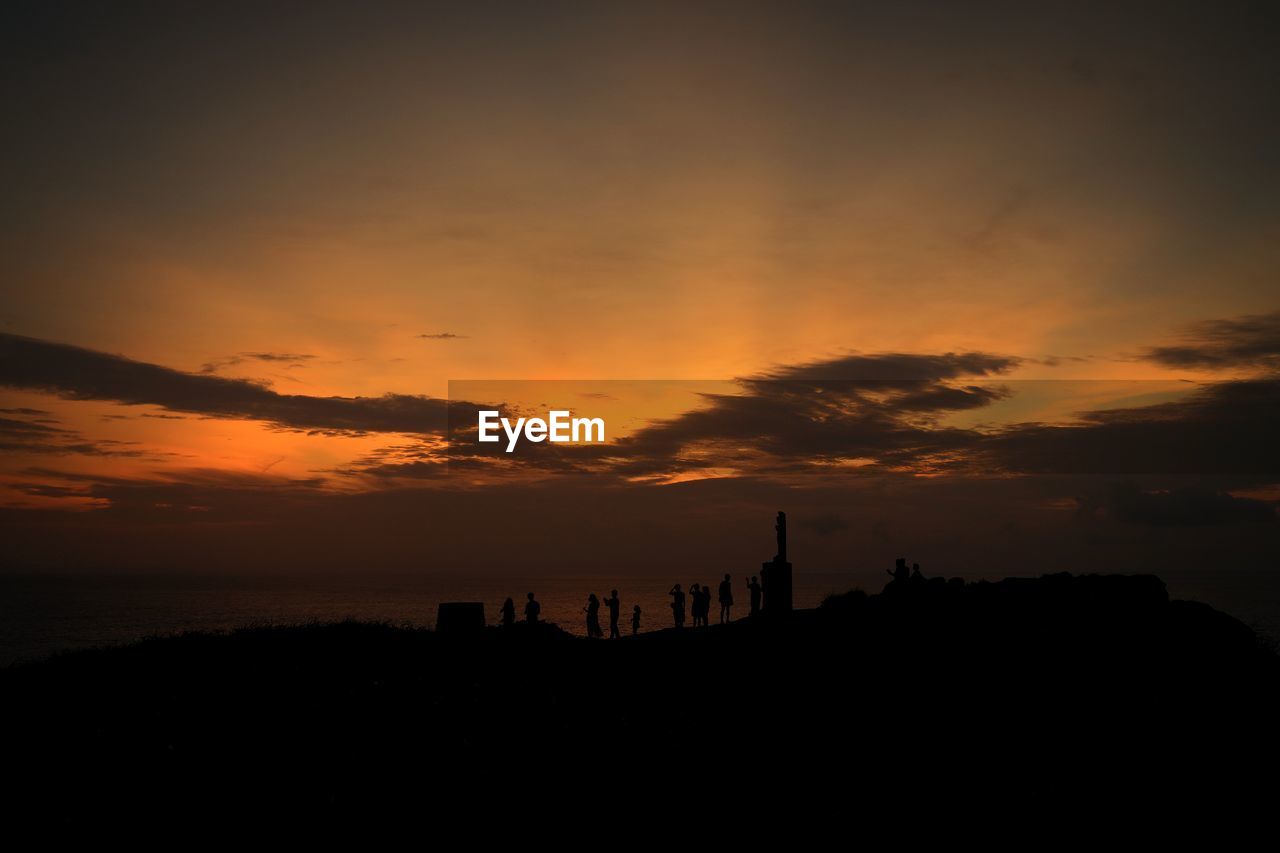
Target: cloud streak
column 1252, row 341
column 1183, row 506
column 877, row 414
column 284, row 359
column 29, row 432
column 883, row 408
column 76, row 373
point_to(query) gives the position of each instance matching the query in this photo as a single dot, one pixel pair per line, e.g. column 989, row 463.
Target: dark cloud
column 1250, row 341
column 1059, row 360
column 883, row 408
column 415, row 461
column 29, row 435
column 826, row 426
column 442, row 336
column 285, row 359
column 19, row 426
column 856, row 415
column 875, row 407
column 1182, row 506
column 45, row 490
column 1222, row 428
column 76, row 373
column 215, row 521
column 783, row 423
column 889, row 367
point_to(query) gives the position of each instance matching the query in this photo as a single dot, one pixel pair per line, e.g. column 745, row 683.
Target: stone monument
column 454, row 617
column 775, row 575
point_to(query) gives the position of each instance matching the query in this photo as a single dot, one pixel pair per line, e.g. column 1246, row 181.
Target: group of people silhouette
column 615, row 605
column 902, row 578
column 701, row 607
column 533, row 610
column 701, row 595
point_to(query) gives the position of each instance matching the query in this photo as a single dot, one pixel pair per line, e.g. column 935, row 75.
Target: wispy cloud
column 27, row 434
column 287, row 360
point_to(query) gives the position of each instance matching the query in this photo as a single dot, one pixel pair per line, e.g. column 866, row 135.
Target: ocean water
column 44, row 614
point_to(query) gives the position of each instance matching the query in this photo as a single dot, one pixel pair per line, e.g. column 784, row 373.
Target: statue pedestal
column 460, row 616
column 775, row 577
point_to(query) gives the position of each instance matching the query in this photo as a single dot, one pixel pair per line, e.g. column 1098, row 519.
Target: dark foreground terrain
column 1092, row 685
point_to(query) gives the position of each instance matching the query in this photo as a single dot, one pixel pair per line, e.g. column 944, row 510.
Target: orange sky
column 571, row 192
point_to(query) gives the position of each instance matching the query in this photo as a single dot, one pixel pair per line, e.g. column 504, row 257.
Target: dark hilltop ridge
column 1017, row 686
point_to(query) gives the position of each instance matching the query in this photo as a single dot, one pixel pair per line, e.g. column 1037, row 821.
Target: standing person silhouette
column 508, row 613
column 695, row 592
column 614, row 605
column 755, row 589
column 593, row 617
column 726, row 599
column 635, row 620
column 532, row 609
column 677, row 605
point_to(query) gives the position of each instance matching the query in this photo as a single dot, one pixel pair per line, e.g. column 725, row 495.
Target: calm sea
column 44, row 614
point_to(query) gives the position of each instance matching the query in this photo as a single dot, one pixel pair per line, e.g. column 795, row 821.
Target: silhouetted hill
column 1024, row 685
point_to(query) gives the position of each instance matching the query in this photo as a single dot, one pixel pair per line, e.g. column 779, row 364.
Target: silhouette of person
column 755, row 590
column 695, row 592
column 532, row 609
column 614, row 604
column 916, row 577
column 677, row 605
column 635, row 619
column 593, row 616
column 706, row 605
column 508, row 613
column 726, row 599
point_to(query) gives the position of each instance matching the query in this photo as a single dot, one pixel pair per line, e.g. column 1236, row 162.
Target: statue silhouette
column 780, row 529
column 775, row 575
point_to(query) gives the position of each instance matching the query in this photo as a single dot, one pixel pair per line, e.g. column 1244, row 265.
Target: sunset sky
column 247, row 248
